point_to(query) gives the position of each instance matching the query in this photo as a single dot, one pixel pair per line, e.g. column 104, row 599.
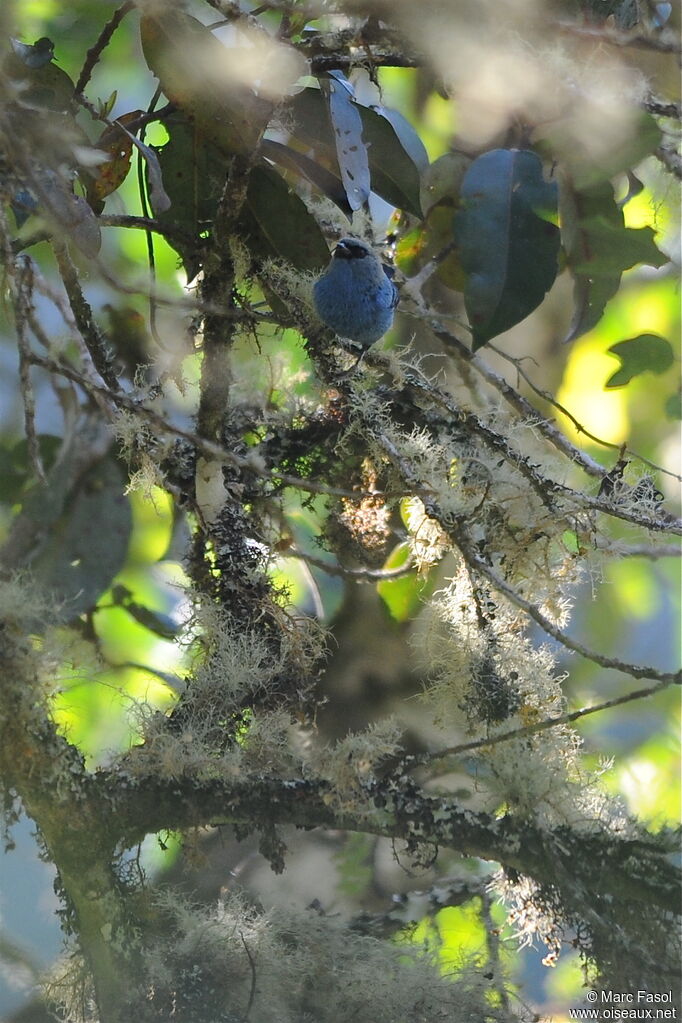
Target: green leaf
column 507, row 240
column 347, row 126
column 442, row 179
column 406, row 135
column 40, row 84
column 394, row 173
column 279, row 224
column 16, row 471
column 646, row 353
column 403, row 596
column 86, row 546
column 326, row 181
column 276, row 222
column 598, row 249
column 193, row 173
column 189, row 62
column 673, row 406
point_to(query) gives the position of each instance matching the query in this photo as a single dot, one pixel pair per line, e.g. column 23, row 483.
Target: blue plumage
column 355, row 296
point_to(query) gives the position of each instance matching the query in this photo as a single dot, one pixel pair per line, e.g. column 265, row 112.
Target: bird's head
column 352, row 248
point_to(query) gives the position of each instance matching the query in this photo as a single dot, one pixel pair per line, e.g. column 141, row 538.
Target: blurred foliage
column 135, row 604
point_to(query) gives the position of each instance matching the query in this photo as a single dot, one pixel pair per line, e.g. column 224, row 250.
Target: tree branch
column 394, row 808
column 539, row 726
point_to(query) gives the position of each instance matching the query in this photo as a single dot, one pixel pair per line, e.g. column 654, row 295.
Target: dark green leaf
column 193, row 174
column 507, row 240
column 646, row 353
column 276, row 221
column 327, row 182
column 279, row 224
column 395, row 175
column 87, row 545
column 189, row 60
column 442, row 180
column 312, row 119
column 351, row 150
column 673, row 406
column 16, row 472
column 407, row 136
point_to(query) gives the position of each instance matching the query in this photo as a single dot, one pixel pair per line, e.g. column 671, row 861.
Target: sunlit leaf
column 648, row 352
column 507, row 241
column 403, row 596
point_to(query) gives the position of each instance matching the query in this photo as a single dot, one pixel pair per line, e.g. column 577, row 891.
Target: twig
column 208, row 448
column 372, row 575
column 663, row 42
column 518, row 402
column 670, row 159
column 475, row 561
column 546, row 396
column 454, row 527
column 663, row 107
column 343, row 61
column 644, row 551
column 85, row 321
column 169, row 231
column 557, row 438
column 539, row 726
column 252, row 992
column 95, row 52
column 21, row 297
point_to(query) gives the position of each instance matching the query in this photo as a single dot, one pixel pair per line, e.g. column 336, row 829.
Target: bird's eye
column 348, row 248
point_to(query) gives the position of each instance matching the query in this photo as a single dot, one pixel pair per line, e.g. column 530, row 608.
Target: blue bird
column 355, row 295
